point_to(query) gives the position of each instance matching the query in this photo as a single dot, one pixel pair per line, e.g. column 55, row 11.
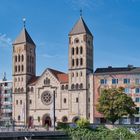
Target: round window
column 46, row 98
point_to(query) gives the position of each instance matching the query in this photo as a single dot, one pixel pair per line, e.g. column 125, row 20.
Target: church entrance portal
column 46, row 121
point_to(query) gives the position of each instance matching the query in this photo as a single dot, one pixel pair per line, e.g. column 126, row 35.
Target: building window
column 138, row 109
column 80, row 73
column 77, row 86
column 15, row 89
column 72, row 51
column 137, row 81
column 76, row 40
column 38, row 118
column 65, row 100
column 32, row 89
column 72, row 74
column 114, row 81
column 76, row 74
column 64, row 119
column 81, row 61
column 21, row 102
column 22, row 58
column 19, row 68
column 137, row 90
column 72, row 62
column 81, row 50
column 30, row 101
column 126, row 81
column 127, row 90
column 137, row 119
column 77, row 50
column 18, row 117
column 22, row 89
column 137, row 100
column 22, row 68
column 81, row 86
column 72, row 86
column 19, row 58
column 77, row 100
column 16, row 102
column 62, row 87
column 103, row 81
column 77, row 62
column 66, row 87
column 15, row 58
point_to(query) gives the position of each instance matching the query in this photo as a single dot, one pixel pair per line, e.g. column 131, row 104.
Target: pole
column 54, row 110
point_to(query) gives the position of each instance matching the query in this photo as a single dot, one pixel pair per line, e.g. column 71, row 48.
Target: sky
column 115, row 25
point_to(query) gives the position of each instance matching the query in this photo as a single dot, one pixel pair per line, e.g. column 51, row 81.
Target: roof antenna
column 81, row 12
column 24, row 22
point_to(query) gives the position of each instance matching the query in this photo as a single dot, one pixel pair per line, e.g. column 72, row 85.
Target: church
column 71, row 94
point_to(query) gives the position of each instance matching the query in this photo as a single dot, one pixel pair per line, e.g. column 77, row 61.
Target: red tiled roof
column 63, row 78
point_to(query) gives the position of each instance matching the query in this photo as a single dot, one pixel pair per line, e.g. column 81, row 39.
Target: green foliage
column 102, row 133
column 82, row 123
column 114, row 103
column 61, row 125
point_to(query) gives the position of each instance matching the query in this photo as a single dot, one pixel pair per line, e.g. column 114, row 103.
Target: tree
column 113, row 103
column 82, row 123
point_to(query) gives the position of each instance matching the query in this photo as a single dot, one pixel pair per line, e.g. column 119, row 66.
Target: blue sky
column 115, row 25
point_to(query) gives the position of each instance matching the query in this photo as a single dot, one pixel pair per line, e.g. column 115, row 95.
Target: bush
column 83, row 123
column 61, row 125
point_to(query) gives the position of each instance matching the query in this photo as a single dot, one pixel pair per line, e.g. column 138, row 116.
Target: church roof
column 80, row 27
column 24, row 37
column 60, row 76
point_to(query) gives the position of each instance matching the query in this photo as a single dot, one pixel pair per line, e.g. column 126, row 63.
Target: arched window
column 15, row 89
column 66, row 87
column 72, row 51
column 18, row 117
column 28, row 89
column 22, row 68
column 19, row 68
column 76, row 40
column 76, row 74
column 15, row 58
column 22, row 58
column 81, row 74
column 64, row 119
column 32, row 89
column 15, row 68
column 81, row 50
column 81, row 86
column 22, row 89
column 65, row 100
column 77, row 62
column 38, row 118
column 18, row 90
column 19, row 58
column 77, row 86
column 72, row 62
column 72, row 86
column 81, row 61
column 77, row 51
column 62, row 87
column 21, row 102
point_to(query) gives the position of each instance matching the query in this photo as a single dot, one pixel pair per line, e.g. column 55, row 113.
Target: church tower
column 80, row 67
column 24, row 68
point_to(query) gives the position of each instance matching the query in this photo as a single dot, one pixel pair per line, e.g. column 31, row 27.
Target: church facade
column 71, row 93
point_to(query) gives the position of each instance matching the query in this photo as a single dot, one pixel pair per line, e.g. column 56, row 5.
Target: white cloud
column 5, row 40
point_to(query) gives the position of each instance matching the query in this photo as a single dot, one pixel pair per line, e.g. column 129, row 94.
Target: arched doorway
column 30, row 122
column 75, row 119
column 46, row 120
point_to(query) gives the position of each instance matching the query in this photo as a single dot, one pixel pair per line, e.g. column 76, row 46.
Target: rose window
column 46, row 98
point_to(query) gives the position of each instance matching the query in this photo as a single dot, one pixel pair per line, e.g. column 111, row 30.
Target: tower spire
column 81, row 12
column 24, row 22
